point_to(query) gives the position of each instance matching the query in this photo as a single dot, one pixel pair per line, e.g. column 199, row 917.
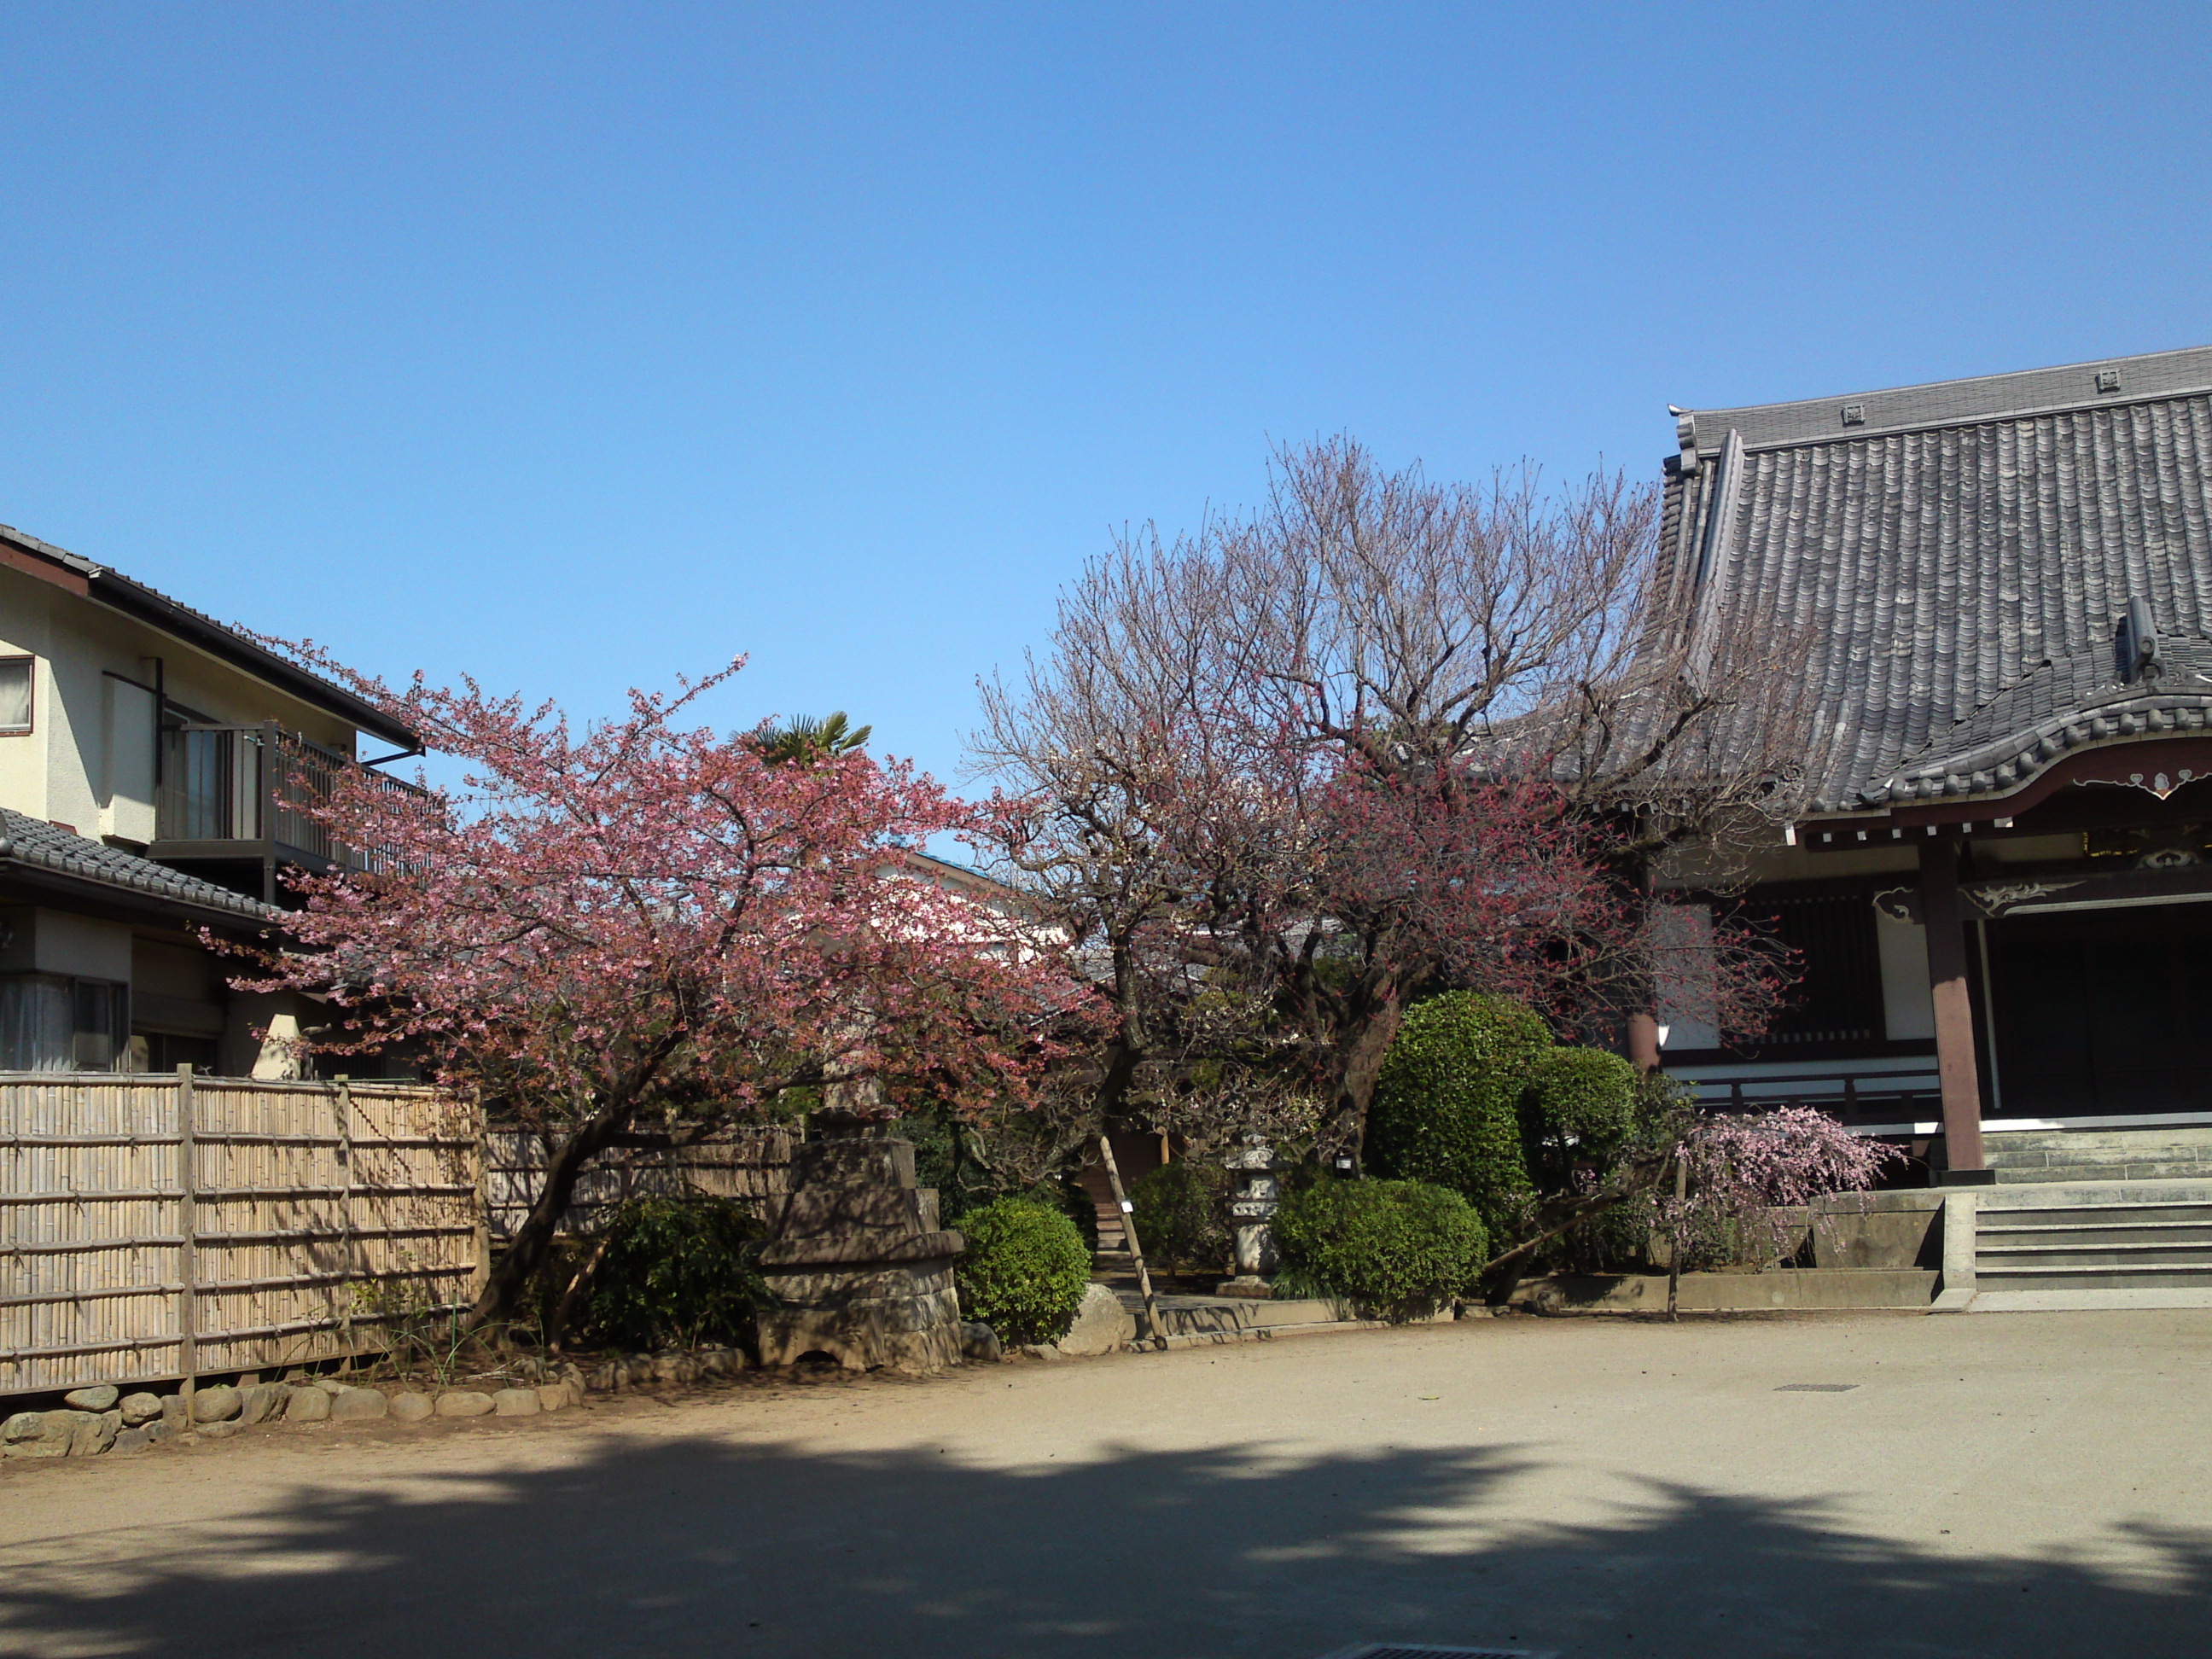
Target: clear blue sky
column 578, row 346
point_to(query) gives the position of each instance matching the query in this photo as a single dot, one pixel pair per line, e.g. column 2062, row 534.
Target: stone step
column 2129, row 1168
column 2136, row 1277
column 2167, row 1134
column 2102, row 1196
column 2002, row 1257
column 2023, row 1217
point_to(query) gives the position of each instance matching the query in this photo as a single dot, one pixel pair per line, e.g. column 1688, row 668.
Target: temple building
column 1995, row 596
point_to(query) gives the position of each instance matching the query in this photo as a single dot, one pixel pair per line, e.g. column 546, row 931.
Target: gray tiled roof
column 43, row 845
column 1959, row 580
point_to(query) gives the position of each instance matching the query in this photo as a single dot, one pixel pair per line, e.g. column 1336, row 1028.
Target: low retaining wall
column 1802, row 1288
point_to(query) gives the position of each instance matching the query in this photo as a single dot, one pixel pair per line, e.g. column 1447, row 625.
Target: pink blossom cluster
column 645, row 912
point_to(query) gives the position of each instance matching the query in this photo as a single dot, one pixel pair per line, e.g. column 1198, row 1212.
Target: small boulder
column 262, row 1402
column 221, row 1431
column 175, row 1413
column 94, row 1433
column 158, row 1431
column 1102, row 1324
column 979, row 1344
column 40, row 1434
column 412, row 1408
column 216, row 1405
column 140, row 1408
column 464, row 1402
column 100, row 1397
column 308, row 1405
column 515, row 1402
column 359, row 1403
column 605, row 1379
column 553, row 1396
column 128, row 1443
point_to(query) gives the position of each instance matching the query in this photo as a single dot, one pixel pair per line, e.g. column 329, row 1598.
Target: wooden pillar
column 1644, row 1041
column 1940, row 909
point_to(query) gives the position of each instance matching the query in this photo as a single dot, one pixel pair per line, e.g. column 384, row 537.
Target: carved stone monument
column 859, row 1266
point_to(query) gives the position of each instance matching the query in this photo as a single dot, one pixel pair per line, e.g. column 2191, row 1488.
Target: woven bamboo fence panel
column 750, row 1162
column 154, row 1228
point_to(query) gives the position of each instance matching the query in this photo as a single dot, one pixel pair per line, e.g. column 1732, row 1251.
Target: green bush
column 1580, row 1108
column 1181, row 1215
column 1447, row 1105
column 675, row 1274
column 1024, row 1271
column 1400, row 1249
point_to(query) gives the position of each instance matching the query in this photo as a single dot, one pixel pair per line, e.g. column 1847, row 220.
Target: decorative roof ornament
column 2134, row 644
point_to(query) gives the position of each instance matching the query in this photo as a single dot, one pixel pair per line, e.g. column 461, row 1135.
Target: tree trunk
column 1364, row 1055
column 504, row 1287
column 1501, row 1275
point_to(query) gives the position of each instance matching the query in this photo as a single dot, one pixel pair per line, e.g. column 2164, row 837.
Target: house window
column 49, row 1022
column 15, row 674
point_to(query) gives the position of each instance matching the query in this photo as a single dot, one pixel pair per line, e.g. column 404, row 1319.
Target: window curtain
column 38, row 1024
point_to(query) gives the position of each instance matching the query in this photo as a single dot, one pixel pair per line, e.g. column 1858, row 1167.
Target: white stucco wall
column 87, row 762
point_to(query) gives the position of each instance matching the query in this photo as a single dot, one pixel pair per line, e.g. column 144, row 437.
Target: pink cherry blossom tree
column 638, row 932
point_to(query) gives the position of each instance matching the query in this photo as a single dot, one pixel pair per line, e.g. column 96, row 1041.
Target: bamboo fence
column 160, row 1227
column 751, row 1163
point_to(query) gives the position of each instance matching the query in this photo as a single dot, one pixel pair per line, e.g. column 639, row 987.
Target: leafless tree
column 1281, row 774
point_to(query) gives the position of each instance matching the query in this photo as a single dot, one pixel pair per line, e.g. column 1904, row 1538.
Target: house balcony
column 233, row 806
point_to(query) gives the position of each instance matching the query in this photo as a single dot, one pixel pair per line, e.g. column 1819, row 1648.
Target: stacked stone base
column 918, row 1333
column 859, row 1268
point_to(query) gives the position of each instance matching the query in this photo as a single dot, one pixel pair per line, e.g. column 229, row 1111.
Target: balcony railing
column 233, row 792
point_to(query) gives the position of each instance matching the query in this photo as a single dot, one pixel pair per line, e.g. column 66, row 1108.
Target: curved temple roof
column 1957, row 557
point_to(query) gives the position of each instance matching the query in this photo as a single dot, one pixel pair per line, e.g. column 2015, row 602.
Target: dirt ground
column 2011, row 1486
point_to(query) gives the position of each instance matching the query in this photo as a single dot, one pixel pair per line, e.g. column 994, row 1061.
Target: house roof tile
column 48, row 847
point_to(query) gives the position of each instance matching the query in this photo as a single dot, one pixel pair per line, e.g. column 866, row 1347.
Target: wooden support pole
column 188, row 1215
column 1941, row 910
column 1130, row 1231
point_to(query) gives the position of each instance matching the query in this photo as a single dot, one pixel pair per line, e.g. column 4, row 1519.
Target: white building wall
column 88, row 760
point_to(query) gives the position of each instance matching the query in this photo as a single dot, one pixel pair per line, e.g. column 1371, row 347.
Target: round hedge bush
column 1180, row 1210
column 1024, row 1270
column 1582, row 1106
column 1447, row 1106
column 1399, row 1248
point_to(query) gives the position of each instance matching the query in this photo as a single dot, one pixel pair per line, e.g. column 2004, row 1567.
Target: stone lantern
column 1251, row 1216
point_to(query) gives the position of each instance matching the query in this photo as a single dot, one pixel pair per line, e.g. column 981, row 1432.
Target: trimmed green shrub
column 675, row 1274
column 1580, row 1108
column 1400, row 1249
column 1585, row 1095
column 1181, row 1215
column 1447, row 1105
column 1024, row 1270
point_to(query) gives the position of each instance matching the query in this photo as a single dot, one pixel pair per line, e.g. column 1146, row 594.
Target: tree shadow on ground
column 705, row 1546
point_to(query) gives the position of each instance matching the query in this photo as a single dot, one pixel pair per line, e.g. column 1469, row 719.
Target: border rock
column 307, row 1405
column 412, row 1408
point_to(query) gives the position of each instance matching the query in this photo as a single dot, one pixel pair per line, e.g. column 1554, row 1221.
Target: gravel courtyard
column 2010, row 1485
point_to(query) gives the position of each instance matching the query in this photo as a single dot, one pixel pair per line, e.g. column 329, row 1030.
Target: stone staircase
column 2129, row 1237
column 2018, row 1156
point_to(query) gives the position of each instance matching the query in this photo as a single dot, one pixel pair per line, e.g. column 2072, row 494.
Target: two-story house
column 149, row 757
